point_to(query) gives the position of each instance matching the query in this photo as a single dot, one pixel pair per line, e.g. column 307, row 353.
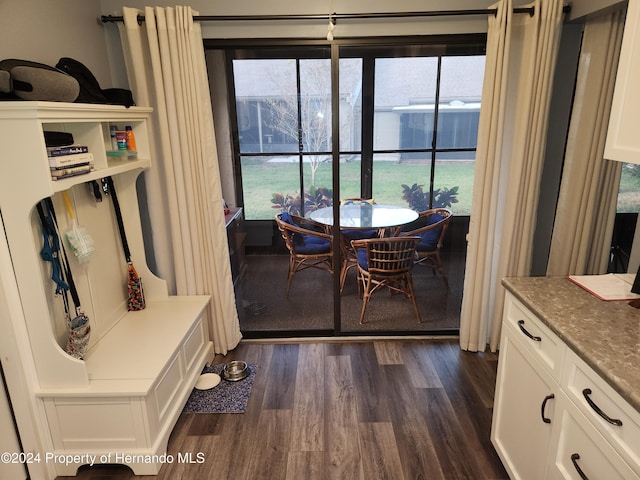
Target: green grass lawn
column 629, row 192
column 260, row 180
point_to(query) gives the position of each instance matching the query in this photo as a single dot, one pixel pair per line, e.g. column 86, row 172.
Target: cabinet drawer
column 581, row 448
column 592, row 394
column 539, row 340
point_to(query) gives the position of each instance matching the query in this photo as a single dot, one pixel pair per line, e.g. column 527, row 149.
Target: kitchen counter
column 605, row 334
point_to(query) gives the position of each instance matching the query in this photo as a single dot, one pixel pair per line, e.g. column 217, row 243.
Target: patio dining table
column 366, row 216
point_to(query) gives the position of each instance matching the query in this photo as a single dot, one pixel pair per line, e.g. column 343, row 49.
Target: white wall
column 45, row 31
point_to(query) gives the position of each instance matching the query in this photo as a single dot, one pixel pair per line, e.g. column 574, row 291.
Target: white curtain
column 521, row 56
column 166, row 68
column 588, row 192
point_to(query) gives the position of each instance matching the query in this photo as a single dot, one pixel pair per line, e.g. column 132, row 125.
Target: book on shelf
column 69, row 160
column 65, row 172
column 66, row 150
column 75, row 165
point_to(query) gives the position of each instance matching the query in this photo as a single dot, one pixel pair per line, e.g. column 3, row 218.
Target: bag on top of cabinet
column 27, row 80
column 90, row 91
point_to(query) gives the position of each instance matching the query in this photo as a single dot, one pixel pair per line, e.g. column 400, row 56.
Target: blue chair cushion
column 296, row 238
column 361, row 253
column 306, row 244
column 429, row 241
column 358, row 234
column 310, row 245
column 286, row 218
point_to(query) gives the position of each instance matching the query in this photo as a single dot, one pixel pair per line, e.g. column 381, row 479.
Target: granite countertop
column 605, row 334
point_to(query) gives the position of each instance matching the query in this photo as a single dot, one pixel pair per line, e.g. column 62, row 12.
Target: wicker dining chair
column 434, row 224
column 385, row 262
column 349, row 259
column 307, row 248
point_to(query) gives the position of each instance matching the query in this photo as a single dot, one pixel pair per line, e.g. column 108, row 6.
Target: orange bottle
column 131, row 139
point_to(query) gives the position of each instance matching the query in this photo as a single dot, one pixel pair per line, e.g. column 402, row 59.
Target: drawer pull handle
column 574, row 459
column 524, row 330
column 542, row 408
column 613, row 421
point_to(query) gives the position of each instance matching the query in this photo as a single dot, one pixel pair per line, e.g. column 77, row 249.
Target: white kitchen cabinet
column 127, row 393
column 612, row 417
column 580, row 452
column 525, row 399
column 545, row 421
column 623, row 141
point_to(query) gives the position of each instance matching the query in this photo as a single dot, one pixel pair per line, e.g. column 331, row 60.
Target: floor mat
column 226, row 397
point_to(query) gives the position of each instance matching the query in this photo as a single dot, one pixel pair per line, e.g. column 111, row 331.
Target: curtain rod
column 338, row 16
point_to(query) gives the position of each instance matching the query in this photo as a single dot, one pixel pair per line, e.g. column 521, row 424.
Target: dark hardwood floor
column 383, row 409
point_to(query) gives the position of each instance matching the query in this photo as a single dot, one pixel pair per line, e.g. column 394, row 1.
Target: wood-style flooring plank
column 420, row 367
column 417, row 451
column 370, row 387
column 268, row 459
column 388, row 352
column 342, row 452
column 305, row 466
column 473, row 416
column 282, row 375
column 379, row 450
column 456, row 461
column 482, row 375
column 307, row 416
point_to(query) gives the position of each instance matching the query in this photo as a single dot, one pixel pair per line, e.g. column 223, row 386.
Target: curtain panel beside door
column 521, row 57
column 167, row 71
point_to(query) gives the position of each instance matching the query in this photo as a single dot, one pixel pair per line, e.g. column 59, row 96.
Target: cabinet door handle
column 574, row 459
column 613, row 421
column 524, row 330
column 542, row 408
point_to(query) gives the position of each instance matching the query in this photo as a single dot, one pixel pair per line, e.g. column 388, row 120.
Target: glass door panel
column 283, row 119
column 424, row 120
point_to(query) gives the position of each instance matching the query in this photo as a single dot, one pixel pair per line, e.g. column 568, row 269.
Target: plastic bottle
column 121, row 138
column 131, row 143
column 131, row 139
column 114, row 140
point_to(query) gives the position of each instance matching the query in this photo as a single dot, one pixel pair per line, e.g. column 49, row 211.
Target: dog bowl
column 235, row 370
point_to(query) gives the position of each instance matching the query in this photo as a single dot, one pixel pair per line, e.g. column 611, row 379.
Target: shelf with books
column 89, row 125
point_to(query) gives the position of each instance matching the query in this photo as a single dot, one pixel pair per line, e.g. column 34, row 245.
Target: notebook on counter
column 610, row 286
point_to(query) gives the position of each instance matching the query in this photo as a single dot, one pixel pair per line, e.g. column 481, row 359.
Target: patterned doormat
column 226, row 397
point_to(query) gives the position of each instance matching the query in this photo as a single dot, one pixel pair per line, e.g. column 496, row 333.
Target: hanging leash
column 136, row 299
column 77, row 322
column 50, row 251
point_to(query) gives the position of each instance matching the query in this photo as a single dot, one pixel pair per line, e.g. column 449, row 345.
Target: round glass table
column 366, row 216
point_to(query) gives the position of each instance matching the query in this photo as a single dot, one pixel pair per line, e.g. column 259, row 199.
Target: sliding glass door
column 419, row 112
column 407, row 117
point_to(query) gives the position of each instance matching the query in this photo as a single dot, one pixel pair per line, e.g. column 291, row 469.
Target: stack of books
column 69, row 161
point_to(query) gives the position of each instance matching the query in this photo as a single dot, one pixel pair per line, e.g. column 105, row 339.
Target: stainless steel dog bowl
column 235, row 370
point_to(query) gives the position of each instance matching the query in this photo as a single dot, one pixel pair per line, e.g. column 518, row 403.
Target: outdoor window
column 408, row 126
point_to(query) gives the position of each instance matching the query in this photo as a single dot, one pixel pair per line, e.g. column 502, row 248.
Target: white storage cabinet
column 128, row 392
column 623, row 141
column 546, row 420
